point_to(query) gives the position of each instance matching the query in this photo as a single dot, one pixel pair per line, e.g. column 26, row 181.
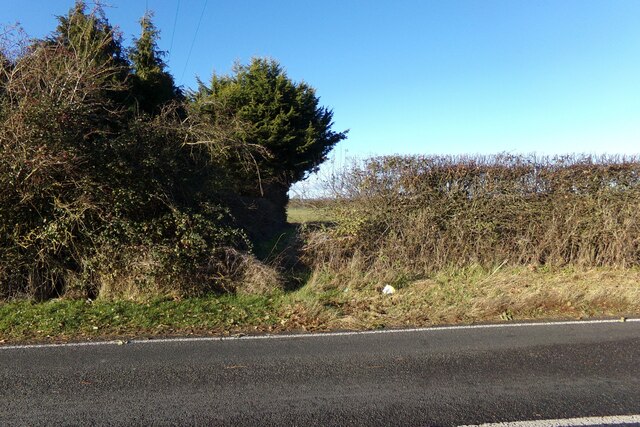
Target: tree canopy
column 90, row 35
column 281, row 116
column 153, row 85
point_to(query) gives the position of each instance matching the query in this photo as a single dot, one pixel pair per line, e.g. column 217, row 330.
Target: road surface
column 441, row 376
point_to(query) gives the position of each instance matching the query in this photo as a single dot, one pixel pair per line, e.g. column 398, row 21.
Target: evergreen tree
column 94, row 43
column 153, row 85
column 278, row 114
column 90, row 35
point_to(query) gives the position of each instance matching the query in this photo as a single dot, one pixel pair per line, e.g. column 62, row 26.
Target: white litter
column 388, row 289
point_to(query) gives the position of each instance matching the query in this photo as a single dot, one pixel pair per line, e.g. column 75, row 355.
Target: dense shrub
column 94, row 195
column 114, row 184
column 419, row 214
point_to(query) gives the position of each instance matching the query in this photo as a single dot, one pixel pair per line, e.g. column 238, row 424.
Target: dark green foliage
column 280, row 116
column 153, row 85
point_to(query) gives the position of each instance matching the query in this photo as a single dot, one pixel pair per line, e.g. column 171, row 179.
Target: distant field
column 305, row 214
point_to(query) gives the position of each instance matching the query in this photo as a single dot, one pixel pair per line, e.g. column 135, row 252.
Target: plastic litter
column 388, row 290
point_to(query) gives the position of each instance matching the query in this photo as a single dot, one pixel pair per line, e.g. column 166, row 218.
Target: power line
column 173, row 33
column 193, row 42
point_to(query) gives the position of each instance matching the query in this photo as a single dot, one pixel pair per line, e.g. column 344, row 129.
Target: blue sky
column 419, row 76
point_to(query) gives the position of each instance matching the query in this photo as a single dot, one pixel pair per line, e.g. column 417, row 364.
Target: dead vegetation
column 477, row 295
column 405, row 218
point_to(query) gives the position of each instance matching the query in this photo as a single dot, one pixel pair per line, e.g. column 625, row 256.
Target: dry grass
column 455, row 296
column 141, row 277
column 257, row 278
column 478, row 295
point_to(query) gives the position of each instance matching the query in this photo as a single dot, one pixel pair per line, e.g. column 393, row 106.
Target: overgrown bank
column 449, row 297
column 345, row 295
column 115, row 183
column 405, row 218
column 129, row 206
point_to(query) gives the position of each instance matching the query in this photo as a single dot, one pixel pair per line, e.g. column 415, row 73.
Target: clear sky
column 419, row 76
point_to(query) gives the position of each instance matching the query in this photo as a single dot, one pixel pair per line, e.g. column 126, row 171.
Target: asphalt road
column 433, row 377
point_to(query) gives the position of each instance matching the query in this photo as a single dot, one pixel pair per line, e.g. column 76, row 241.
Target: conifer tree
column 153, row 85
column 282, row 116
column 95, row 44
column 90, row 35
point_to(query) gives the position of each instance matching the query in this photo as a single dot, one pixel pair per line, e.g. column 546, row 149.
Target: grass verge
column 456, row 296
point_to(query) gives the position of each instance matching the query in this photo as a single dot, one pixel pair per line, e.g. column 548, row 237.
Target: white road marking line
column 569, row 422
column 320, row 335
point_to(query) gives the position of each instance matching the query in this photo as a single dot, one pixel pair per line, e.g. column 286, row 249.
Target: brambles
column 96, row 198
column 113, row 184
column 91, row 191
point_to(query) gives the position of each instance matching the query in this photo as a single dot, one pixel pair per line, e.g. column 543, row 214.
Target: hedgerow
column 413, row 215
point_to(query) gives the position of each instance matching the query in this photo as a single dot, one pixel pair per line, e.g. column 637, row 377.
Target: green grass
column 61, row 320
column 73, row 319
column 448, row 297
column 304, row 214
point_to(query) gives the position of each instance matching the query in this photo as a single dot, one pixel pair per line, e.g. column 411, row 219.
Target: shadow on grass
column 284, row 249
